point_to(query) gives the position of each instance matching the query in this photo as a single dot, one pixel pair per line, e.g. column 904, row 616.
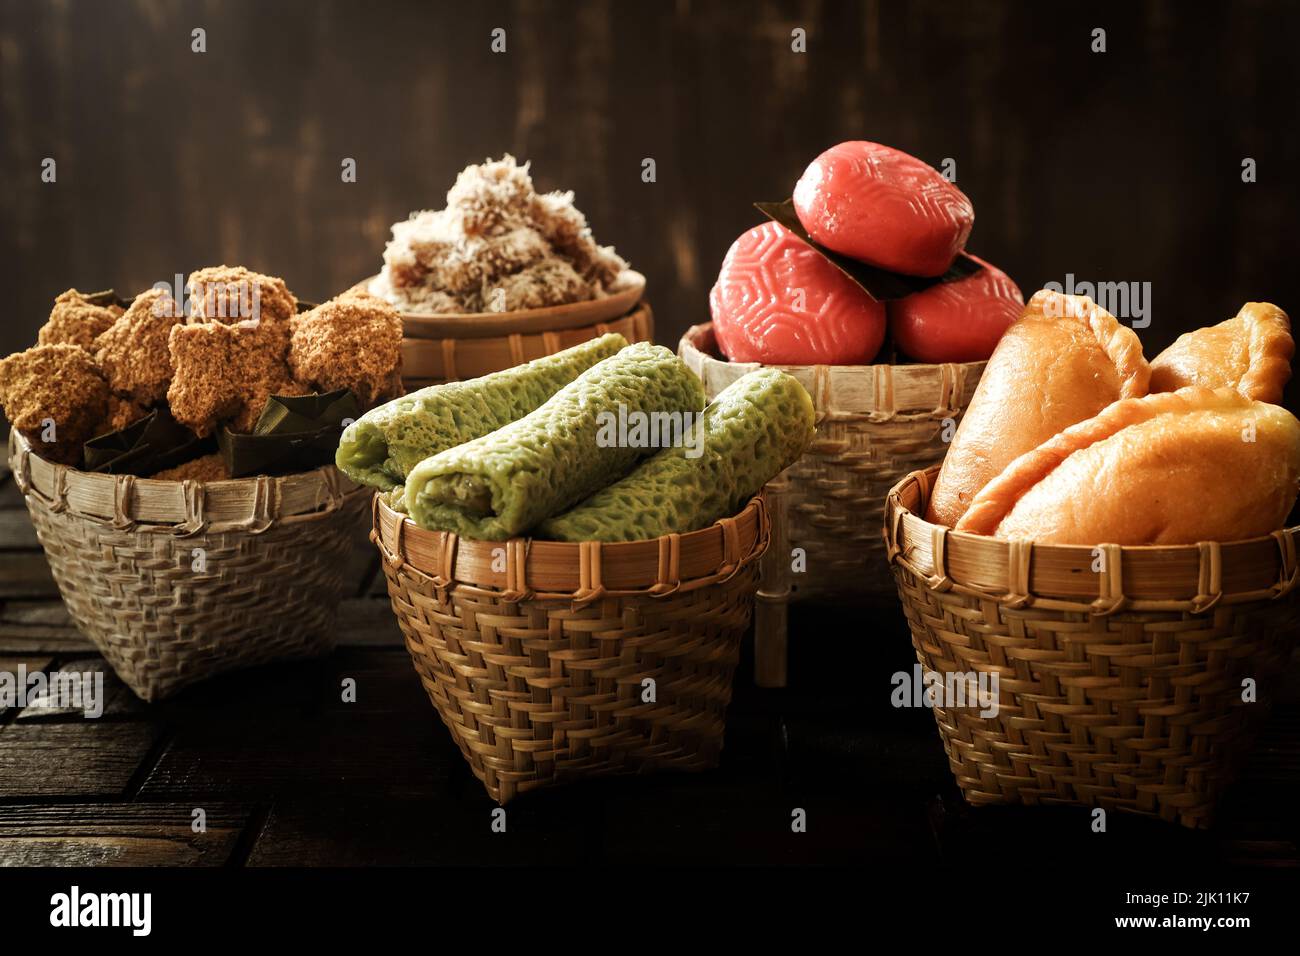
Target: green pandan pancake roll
column 503, row 484
column 756, row 427
column 382, row 446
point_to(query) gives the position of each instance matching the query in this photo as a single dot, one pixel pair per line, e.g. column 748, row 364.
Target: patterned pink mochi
column 779, row 302
column 883, row 207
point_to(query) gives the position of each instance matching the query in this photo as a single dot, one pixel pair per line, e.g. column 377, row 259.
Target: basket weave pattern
column 1131, row 700
column 266, row 590
column 875, row 424
column 541, row 680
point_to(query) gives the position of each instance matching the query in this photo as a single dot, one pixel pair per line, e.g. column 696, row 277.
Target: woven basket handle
column 1288, row 572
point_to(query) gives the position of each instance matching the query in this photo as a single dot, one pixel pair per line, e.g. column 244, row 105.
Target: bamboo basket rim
column 472, row 325
column 428, row 360
column 185, row 507
column 580, row 571
column 1139, row 578
column 906, row 392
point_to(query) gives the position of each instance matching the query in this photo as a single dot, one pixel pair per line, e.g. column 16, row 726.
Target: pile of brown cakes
column 497, row 247
column 240, row 339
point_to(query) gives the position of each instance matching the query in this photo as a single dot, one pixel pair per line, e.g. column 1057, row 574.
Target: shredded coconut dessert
column 497, row 246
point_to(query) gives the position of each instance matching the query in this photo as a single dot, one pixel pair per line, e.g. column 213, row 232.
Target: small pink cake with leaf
column 958, row 321
column 883, row 207
column 779, row 302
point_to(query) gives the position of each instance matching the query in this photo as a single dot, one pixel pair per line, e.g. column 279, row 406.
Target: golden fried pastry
column 1169, row 468
column 230, row 294
column 353, row 341
column 208, row 468
column 1061, row 362
column 75, row 320
column 1250, row 352
column 54, row 384
column 225, row 372
column 133, row 351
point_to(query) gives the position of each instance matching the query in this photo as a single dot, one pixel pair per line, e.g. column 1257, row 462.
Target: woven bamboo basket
column 1120, row 669
column 448, row 348
column 538, row 655
column 177, row 581
column 875, row 423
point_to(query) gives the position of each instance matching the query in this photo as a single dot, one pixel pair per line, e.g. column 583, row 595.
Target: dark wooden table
column 287, row 773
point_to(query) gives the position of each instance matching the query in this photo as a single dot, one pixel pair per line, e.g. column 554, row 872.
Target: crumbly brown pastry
column 353, row 341
column 496, row 232
column 245, row 419
column 232, row 294
column 1169, row 468
column 1061, row 362
column 133, row 351
column 59, row 383
column 226, row 372
column 208, row 468
column 1250, row 352
column 76, row 321
column 118, row 413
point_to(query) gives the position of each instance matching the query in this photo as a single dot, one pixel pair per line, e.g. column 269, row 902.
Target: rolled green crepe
column 382, row 446
column 756, row 427
column 503, row 484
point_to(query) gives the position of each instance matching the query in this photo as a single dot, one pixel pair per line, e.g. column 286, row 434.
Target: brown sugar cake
column 1169, row 468
column 75, row 320
column 119, row 413
column 54, row 383
column 1061, row 362
column 208, row 371
column 207, row 468
column 1250, row 352
column 232, row 294
column 352, row 342
column 226, row 372
column 497, row 246
column 133, row 351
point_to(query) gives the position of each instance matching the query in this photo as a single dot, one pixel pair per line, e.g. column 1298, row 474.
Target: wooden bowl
column 449, row 348
column 480, row 325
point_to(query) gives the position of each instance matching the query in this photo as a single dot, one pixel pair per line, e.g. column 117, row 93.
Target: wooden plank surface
column 117, row 699
column 120, row 834
column 85, row 759
column 16, row 531
column 39, row 626
column 16, row 665
column 26, row 575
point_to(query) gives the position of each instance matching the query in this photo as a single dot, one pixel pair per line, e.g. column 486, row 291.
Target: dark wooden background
column 1117, row 166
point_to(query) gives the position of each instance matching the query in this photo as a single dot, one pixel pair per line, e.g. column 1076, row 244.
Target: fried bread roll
column 1061, row 362
column 1250, row 352
column 1170, row 468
